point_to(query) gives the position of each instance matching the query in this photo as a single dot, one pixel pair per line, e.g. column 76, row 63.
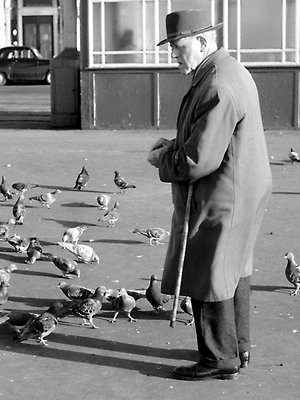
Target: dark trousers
column 222, row 328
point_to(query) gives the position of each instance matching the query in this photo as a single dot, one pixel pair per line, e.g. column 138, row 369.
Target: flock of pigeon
column 82, row 301
column 85, row 302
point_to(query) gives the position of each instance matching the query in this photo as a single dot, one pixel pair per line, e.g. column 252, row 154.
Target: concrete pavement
column 134, row 360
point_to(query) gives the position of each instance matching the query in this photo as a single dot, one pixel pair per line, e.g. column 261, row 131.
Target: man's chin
column 184, row 70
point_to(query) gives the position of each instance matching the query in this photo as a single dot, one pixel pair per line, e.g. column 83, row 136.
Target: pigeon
column 42, row 325
column 19, row 243
column 122, row 302
column 75, row 292
column 103, row 200
column 4, row 189
column 84, row 253
column 19, row 210
column 3, row 292
column 5, row 273
column 46, row 199
column 88, row 308
column 154, row 234
column 67, row 266
column 82, row 179
column 154, row 295
column 34, row 250
column 17, row 320
column 186, row 306
column 121, row 183
column 23, row 187
column 5, row 230
column 111, row 216
column 292, row 272
column 294, row 156
column 72, row 235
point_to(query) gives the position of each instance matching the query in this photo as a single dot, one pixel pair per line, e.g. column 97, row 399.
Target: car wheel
column 2, row 79
column 48, row 77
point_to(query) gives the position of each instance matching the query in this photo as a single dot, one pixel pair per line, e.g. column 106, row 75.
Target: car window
column 26, row 53
column 10, row 54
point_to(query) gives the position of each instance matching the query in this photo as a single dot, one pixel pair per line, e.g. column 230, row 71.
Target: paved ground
column 134, row 360
column 25, row 98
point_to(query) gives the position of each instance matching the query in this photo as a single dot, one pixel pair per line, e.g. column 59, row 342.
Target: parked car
column 23, row 63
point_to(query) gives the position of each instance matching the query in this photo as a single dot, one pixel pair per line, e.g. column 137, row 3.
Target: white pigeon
column 5, row 273
column 154, row 234
column 20, row 244
column 46, row 199
column 72, row 235
column 5, row 229
column 84, row 253
column 186, row 306
column 103, row 200
column 294, row 156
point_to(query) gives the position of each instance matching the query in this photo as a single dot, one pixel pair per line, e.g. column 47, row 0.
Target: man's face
column 188, row 53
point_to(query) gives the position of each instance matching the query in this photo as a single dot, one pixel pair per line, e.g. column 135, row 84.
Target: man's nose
column 173, row 54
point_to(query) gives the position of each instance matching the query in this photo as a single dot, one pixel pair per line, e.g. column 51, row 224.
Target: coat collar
column 207, row 64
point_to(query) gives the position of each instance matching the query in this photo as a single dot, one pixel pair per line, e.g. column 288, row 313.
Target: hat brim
column 187, row 34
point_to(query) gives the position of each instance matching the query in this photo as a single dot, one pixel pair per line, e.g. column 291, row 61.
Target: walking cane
column 182, row 254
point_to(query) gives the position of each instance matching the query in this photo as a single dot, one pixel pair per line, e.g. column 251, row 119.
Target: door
column 38, row 33
column 24, row 65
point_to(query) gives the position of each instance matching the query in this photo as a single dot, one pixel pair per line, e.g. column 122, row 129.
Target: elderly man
column 220, row 148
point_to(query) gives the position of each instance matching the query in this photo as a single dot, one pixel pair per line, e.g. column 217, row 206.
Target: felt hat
column 180, row 24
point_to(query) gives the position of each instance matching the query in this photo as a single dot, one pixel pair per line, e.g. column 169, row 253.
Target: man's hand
column 153, row 156
column 161, row 142
column 159, row 145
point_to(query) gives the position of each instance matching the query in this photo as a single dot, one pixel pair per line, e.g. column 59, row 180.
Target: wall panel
column 150, row 98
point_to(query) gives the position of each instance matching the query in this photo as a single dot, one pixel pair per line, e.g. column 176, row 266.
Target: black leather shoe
column 245, row 358
column 197, row 372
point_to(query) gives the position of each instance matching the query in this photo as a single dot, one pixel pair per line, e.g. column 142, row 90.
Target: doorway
column 38, row 33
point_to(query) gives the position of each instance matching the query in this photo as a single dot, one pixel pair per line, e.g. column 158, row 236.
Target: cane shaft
column 182, row 254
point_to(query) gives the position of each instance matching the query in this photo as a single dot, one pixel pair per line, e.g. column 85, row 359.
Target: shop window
column 124, row 33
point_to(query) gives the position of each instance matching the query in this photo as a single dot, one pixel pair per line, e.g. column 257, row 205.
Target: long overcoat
column 220, row 147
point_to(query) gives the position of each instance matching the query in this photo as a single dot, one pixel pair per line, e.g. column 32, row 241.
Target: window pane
column 290, row 57
column 261, row 24
column 178, row 5
column 150, row 26
column 123, row 26
column 163, row 11
column 37, row 3
column 97, row 27
column 232, row 25
column 261, row 57
column 97, row 59
column 122, row 59
column 290, row 23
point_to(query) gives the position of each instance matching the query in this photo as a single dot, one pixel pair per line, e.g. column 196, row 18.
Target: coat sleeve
column 211, row 130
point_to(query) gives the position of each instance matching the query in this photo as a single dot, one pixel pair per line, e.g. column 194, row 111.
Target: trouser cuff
column 228, row 363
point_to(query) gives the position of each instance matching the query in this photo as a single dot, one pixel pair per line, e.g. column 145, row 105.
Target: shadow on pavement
column 148, row 368
column 269, row 288
column 68, row 224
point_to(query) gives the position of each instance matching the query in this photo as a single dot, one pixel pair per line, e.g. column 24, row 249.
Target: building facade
column 129, row 82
